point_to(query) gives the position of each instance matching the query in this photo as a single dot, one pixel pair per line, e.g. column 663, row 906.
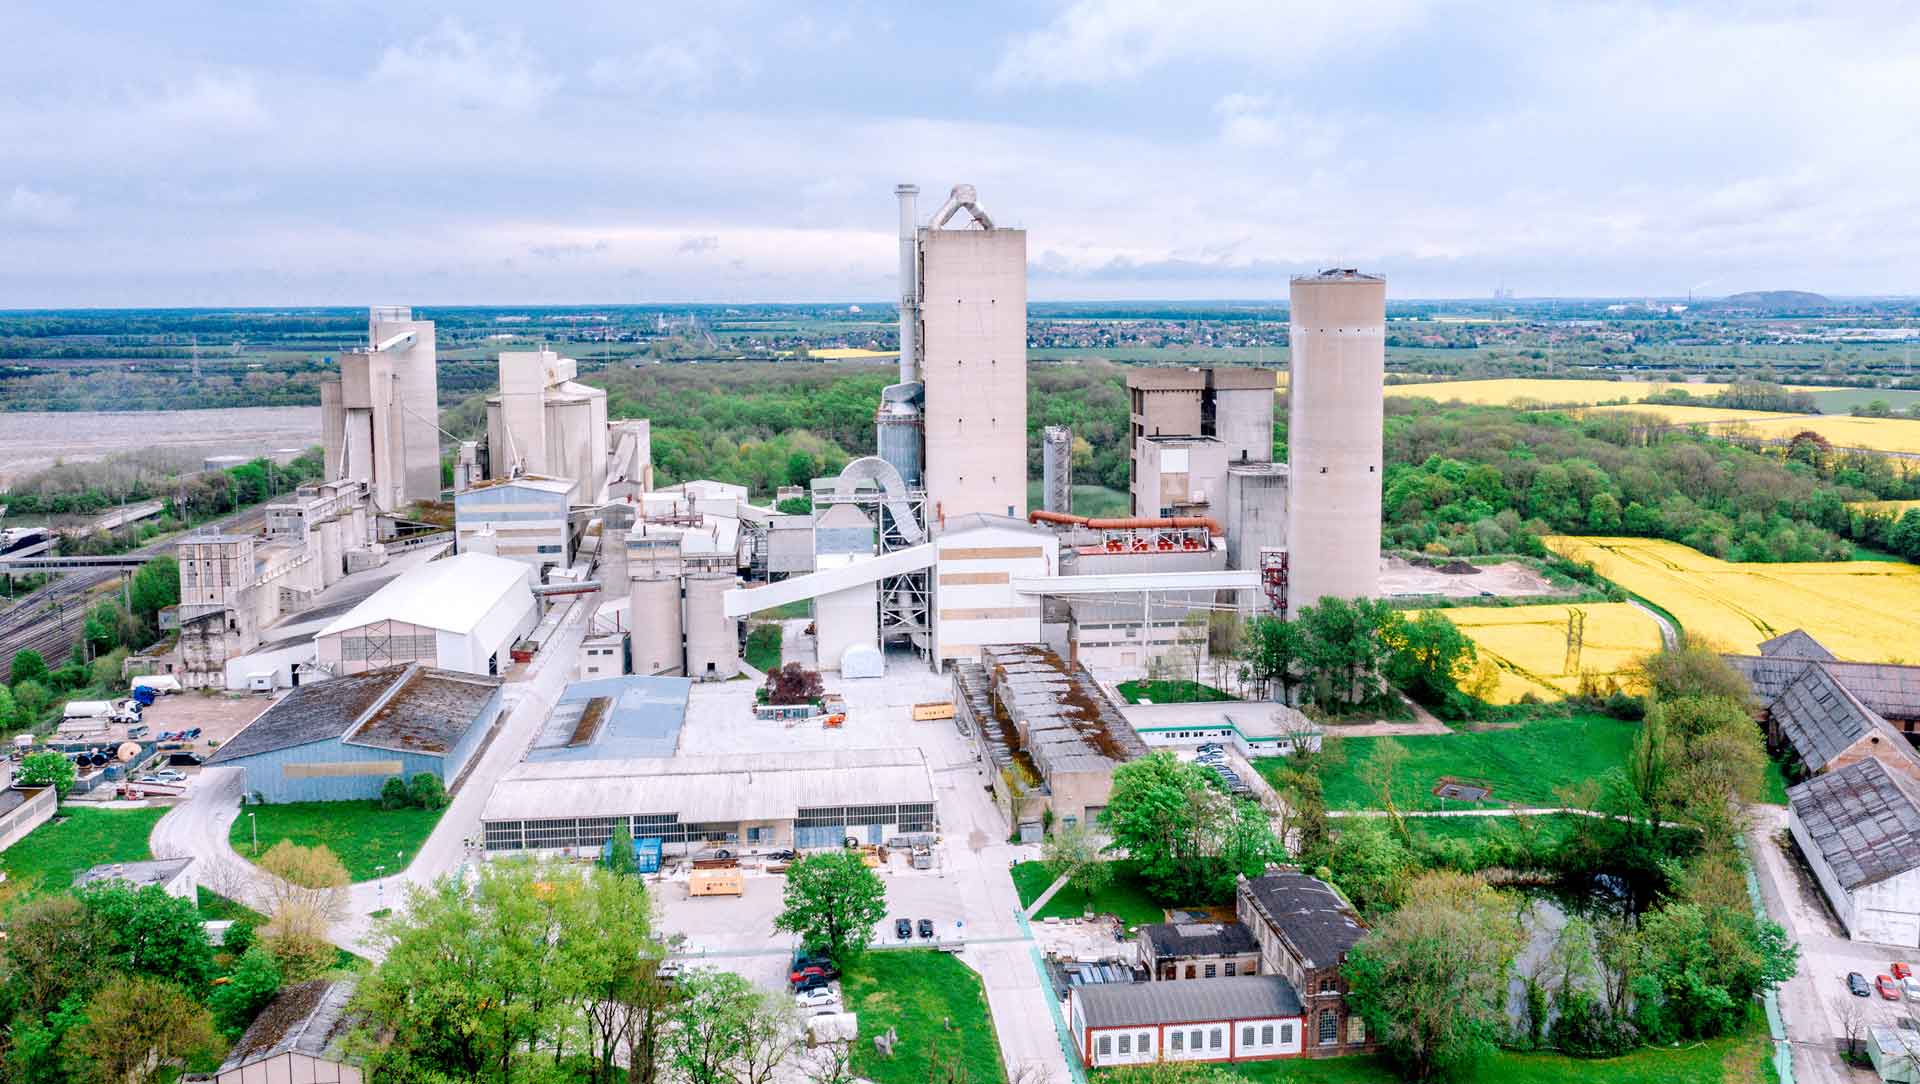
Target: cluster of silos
column 1056, row 469
column 680, row 626
column 1334, row 445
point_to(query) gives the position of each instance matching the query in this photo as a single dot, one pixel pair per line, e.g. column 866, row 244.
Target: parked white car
column 816, row 999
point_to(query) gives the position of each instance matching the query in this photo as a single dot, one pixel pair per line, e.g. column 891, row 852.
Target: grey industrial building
column 1827, row 713
column 344, row 738
column 614, row 718
column 742, row 800
column 1859, row 828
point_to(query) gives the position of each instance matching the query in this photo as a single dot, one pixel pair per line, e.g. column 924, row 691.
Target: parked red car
column 1901, row 969
column 1887, row 987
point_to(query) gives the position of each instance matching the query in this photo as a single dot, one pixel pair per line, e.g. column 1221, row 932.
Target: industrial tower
column 1334, row 417
column 379, row 419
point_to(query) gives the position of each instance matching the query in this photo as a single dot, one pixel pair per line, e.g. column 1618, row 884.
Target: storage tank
column 1338, row 364
column 655, row 626
column 900, row 430
column 1056, row 469
column 713, row 638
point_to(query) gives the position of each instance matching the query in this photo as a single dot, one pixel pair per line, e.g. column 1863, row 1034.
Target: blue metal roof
column 622, row 717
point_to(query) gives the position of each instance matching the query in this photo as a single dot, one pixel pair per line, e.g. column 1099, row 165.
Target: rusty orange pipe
column 1125, row 524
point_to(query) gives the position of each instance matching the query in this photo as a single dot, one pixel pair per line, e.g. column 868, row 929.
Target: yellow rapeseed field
column 1550, row 392
column 1692, row 415
column 1528, row 645
column 1895, row 509
column 1866, row 611
column 1842, row 430
column 849, row 353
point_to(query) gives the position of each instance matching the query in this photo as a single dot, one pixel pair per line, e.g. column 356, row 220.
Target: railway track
column 50, row 619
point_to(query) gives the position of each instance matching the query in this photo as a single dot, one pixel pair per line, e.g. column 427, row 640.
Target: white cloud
column 1094, row 42
column 1257, row 121
column 689, row 65
column 455, row 65
column 33, row 207
column 210, row 100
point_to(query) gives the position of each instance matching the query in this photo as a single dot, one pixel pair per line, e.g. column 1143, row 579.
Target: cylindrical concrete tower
column 1056, row 469
column 1334, row 408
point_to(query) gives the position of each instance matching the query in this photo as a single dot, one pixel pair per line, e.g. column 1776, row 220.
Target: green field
column 1525, row 764
column 1843, row 400
column 1776, row 793
column 76, row 840
column 1087, row 500
column 362, row 834
column 935, row 1004
column 1170, row 692
column 1124, row 897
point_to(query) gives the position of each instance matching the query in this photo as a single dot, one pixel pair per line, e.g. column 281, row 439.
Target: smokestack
column 909, row 284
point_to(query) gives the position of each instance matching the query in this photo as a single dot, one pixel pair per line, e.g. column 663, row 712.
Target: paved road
column 199, row 826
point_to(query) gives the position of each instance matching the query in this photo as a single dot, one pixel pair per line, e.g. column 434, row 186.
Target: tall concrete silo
column 1056, row 469
column 713, row 638
column 656, row 628
column 1338, row 335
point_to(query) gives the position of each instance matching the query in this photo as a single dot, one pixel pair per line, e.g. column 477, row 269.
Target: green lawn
column 1124, row 897
column 1776, row 793
column 763, row 647
column 1556, row 827
column 788, row 611
column 1868, row 553
column 361, row 833
column 1524, row 764
column 1735, row 1059
column 1170, row 692
column 936, row 1006
column 77, row 839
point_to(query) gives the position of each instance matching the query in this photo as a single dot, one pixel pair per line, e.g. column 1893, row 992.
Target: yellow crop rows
column 1529, row 645
column 849, row 353
column 1549, row 392
column 1719, row 417
column 1842, row 431
column 1895, row 509
column 1863, row 611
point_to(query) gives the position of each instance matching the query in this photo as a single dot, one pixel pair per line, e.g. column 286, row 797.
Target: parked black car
column 903, row 929
column 1857, row 985
column 926, row 929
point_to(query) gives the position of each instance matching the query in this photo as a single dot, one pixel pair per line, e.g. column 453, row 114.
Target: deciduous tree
column 47, row 769
column 833, row 902
column 136, row 1026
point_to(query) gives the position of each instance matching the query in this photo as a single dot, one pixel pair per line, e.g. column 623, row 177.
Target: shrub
column 394, row 793
column 426, row 791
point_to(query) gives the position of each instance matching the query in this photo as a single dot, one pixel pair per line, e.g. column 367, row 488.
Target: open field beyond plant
column 1532, row 645
column 1861, row 610
column 75, row 841
column 1895, row 435
column 1523, row 765
column 363, row 835
column 1674, row 414
column 1545, row 392
column 936, row 1005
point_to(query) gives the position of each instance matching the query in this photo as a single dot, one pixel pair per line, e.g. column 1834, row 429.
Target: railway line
column 50, row 620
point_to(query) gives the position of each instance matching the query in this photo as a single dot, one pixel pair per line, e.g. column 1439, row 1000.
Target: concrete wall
column 974, row 338
column 1183, row 477
column 1243, row 420
column 28, row 815
column 1256, row 513
column 1334, row 437
column 329, row 771
column 846, row 619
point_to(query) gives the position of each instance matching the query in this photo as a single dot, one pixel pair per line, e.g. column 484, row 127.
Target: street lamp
column 255, row 826
column 380, row 886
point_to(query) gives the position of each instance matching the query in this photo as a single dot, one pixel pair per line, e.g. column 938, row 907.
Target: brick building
column 1304, row 930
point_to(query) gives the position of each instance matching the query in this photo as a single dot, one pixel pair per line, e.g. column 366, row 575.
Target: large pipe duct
column 909, row 284
column 1129, row 523
column 962, row 198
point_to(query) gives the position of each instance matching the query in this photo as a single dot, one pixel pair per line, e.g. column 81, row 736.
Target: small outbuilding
column 297, row 1037
column 174, row 876
column 342, row 739
column 1859, row 828
column 458, row 613
column 1198, row 950
column 1218, row 1020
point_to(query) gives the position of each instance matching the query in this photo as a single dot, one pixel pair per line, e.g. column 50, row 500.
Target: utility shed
column 1238, row 1019
column 458, row 613
column 1859, row 828
column 297, row 1037
column 341, row 739
column 174, row 876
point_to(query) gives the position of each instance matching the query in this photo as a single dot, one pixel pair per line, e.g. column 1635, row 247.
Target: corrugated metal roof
column 411, row 707
column 429, row 713
column 309, row 1018
column 1146, row 1004
column 1864, row 824
column 451, row 594
column 643, row 720
column 734, row 787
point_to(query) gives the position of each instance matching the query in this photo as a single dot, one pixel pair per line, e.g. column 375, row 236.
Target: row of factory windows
column 910, row 816
column 570, row 832
column 358, row 648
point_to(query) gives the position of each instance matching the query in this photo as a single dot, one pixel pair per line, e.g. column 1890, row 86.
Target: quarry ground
column 33, row 440
column 1508, row 579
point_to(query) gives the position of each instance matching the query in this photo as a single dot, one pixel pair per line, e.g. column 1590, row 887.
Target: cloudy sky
column 337, row 152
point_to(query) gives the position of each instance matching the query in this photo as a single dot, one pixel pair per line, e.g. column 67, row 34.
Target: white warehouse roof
column 733, row 787
column 452, row 594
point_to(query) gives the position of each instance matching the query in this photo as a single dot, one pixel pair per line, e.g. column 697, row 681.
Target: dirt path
column 1386, row 729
